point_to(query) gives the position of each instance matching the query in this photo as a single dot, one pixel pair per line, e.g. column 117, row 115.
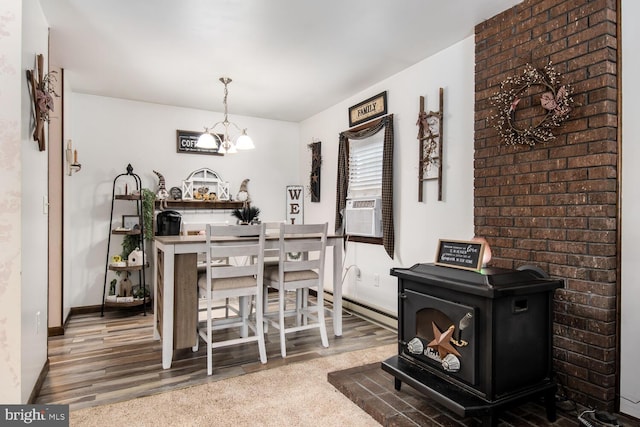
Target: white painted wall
column 630, row 315
column 23, row 225
column 418, row 226
column 11, row 88
column 110, row 133
column 33, row 300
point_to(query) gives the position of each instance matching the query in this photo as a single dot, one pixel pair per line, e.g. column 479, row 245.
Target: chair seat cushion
column 226, row 283
column 271, row 273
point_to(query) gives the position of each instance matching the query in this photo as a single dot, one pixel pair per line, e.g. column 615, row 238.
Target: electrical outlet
column 376, row 280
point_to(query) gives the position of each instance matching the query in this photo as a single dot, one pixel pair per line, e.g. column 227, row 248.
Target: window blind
column 365, row 166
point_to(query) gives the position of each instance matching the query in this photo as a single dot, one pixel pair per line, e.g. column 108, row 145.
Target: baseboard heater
column 372, row 313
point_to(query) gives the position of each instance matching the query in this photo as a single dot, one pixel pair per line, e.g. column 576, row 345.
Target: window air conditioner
column 364, row 217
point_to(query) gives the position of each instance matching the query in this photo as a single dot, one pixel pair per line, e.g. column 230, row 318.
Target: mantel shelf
column 197, row 204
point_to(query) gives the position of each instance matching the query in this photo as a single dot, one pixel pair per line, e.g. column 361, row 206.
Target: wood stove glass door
column 440, row 334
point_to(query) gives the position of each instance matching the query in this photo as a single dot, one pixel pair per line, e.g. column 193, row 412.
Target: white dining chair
column 227, row 281
column 194, row 228
column 300, row 268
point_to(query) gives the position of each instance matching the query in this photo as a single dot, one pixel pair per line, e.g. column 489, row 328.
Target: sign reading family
column 371, row 108
column 460, row 254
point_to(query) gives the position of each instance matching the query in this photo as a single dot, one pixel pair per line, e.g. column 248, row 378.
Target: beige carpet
column 297, row 394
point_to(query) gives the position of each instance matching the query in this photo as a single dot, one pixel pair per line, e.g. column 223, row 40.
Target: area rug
column 296, row 394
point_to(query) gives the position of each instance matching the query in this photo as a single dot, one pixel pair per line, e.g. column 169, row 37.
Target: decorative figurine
column 162, row 194
column 243, row 193
column 125, row 286
column 135, row 258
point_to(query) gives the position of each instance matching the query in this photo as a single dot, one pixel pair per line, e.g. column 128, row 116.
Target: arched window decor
column 359, row 133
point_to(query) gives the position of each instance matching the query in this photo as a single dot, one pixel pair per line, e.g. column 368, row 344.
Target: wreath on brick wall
column 556, row 100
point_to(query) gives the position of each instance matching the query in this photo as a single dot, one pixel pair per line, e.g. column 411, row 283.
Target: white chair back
column 252, row 249
column 302, row 247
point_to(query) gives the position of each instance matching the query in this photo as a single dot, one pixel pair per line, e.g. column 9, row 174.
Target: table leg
column 156, row 333
column 337, row 287
column 167, row 307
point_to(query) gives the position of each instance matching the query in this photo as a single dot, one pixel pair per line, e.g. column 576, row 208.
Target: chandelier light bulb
column 206, row 140
column 244, row 141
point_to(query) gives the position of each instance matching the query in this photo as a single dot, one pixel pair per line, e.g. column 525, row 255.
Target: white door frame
column 630, row 209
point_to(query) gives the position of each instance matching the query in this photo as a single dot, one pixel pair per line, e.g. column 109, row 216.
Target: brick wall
column 555, row 205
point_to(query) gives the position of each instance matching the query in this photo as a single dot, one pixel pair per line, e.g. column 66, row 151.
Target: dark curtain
column 362, row 132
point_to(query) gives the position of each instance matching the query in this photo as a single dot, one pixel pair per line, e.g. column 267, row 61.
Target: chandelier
column 224, row 142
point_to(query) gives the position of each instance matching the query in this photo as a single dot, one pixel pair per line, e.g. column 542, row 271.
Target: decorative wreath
column 556, row 100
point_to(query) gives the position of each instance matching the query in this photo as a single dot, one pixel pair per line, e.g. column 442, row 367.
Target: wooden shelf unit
column 137, row 198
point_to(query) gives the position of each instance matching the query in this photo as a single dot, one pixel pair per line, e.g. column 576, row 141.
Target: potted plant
column 131, row 242
column 247, row 215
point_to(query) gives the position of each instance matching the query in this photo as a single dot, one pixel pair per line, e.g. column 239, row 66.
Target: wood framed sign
column 463, row 254
column 186, row 143
column 371, row 108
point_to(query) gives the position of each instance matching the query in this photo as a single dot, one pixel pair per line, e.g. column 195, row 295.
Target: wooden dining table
column 175, row 290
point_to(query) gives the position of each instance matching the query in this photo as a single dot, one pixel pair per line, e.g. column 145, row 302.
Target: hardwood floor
column 108, row 359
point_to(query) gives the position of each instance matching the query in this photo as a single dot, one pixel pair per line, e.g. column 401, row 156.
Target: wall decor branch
column 314, row 176
column 430, row 154
column 534, row 86
column 42, row 93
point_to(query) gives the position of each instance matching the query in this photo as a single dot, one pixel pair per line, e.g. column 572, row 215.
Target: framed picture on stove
column 467, row 255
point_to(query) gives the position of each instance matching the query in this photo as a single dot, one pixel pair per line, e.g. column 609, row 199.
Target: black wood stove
column 475, row 341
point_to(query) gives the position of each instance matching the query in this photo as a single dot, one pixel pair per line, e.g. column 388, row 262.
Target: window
column 365, row 167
